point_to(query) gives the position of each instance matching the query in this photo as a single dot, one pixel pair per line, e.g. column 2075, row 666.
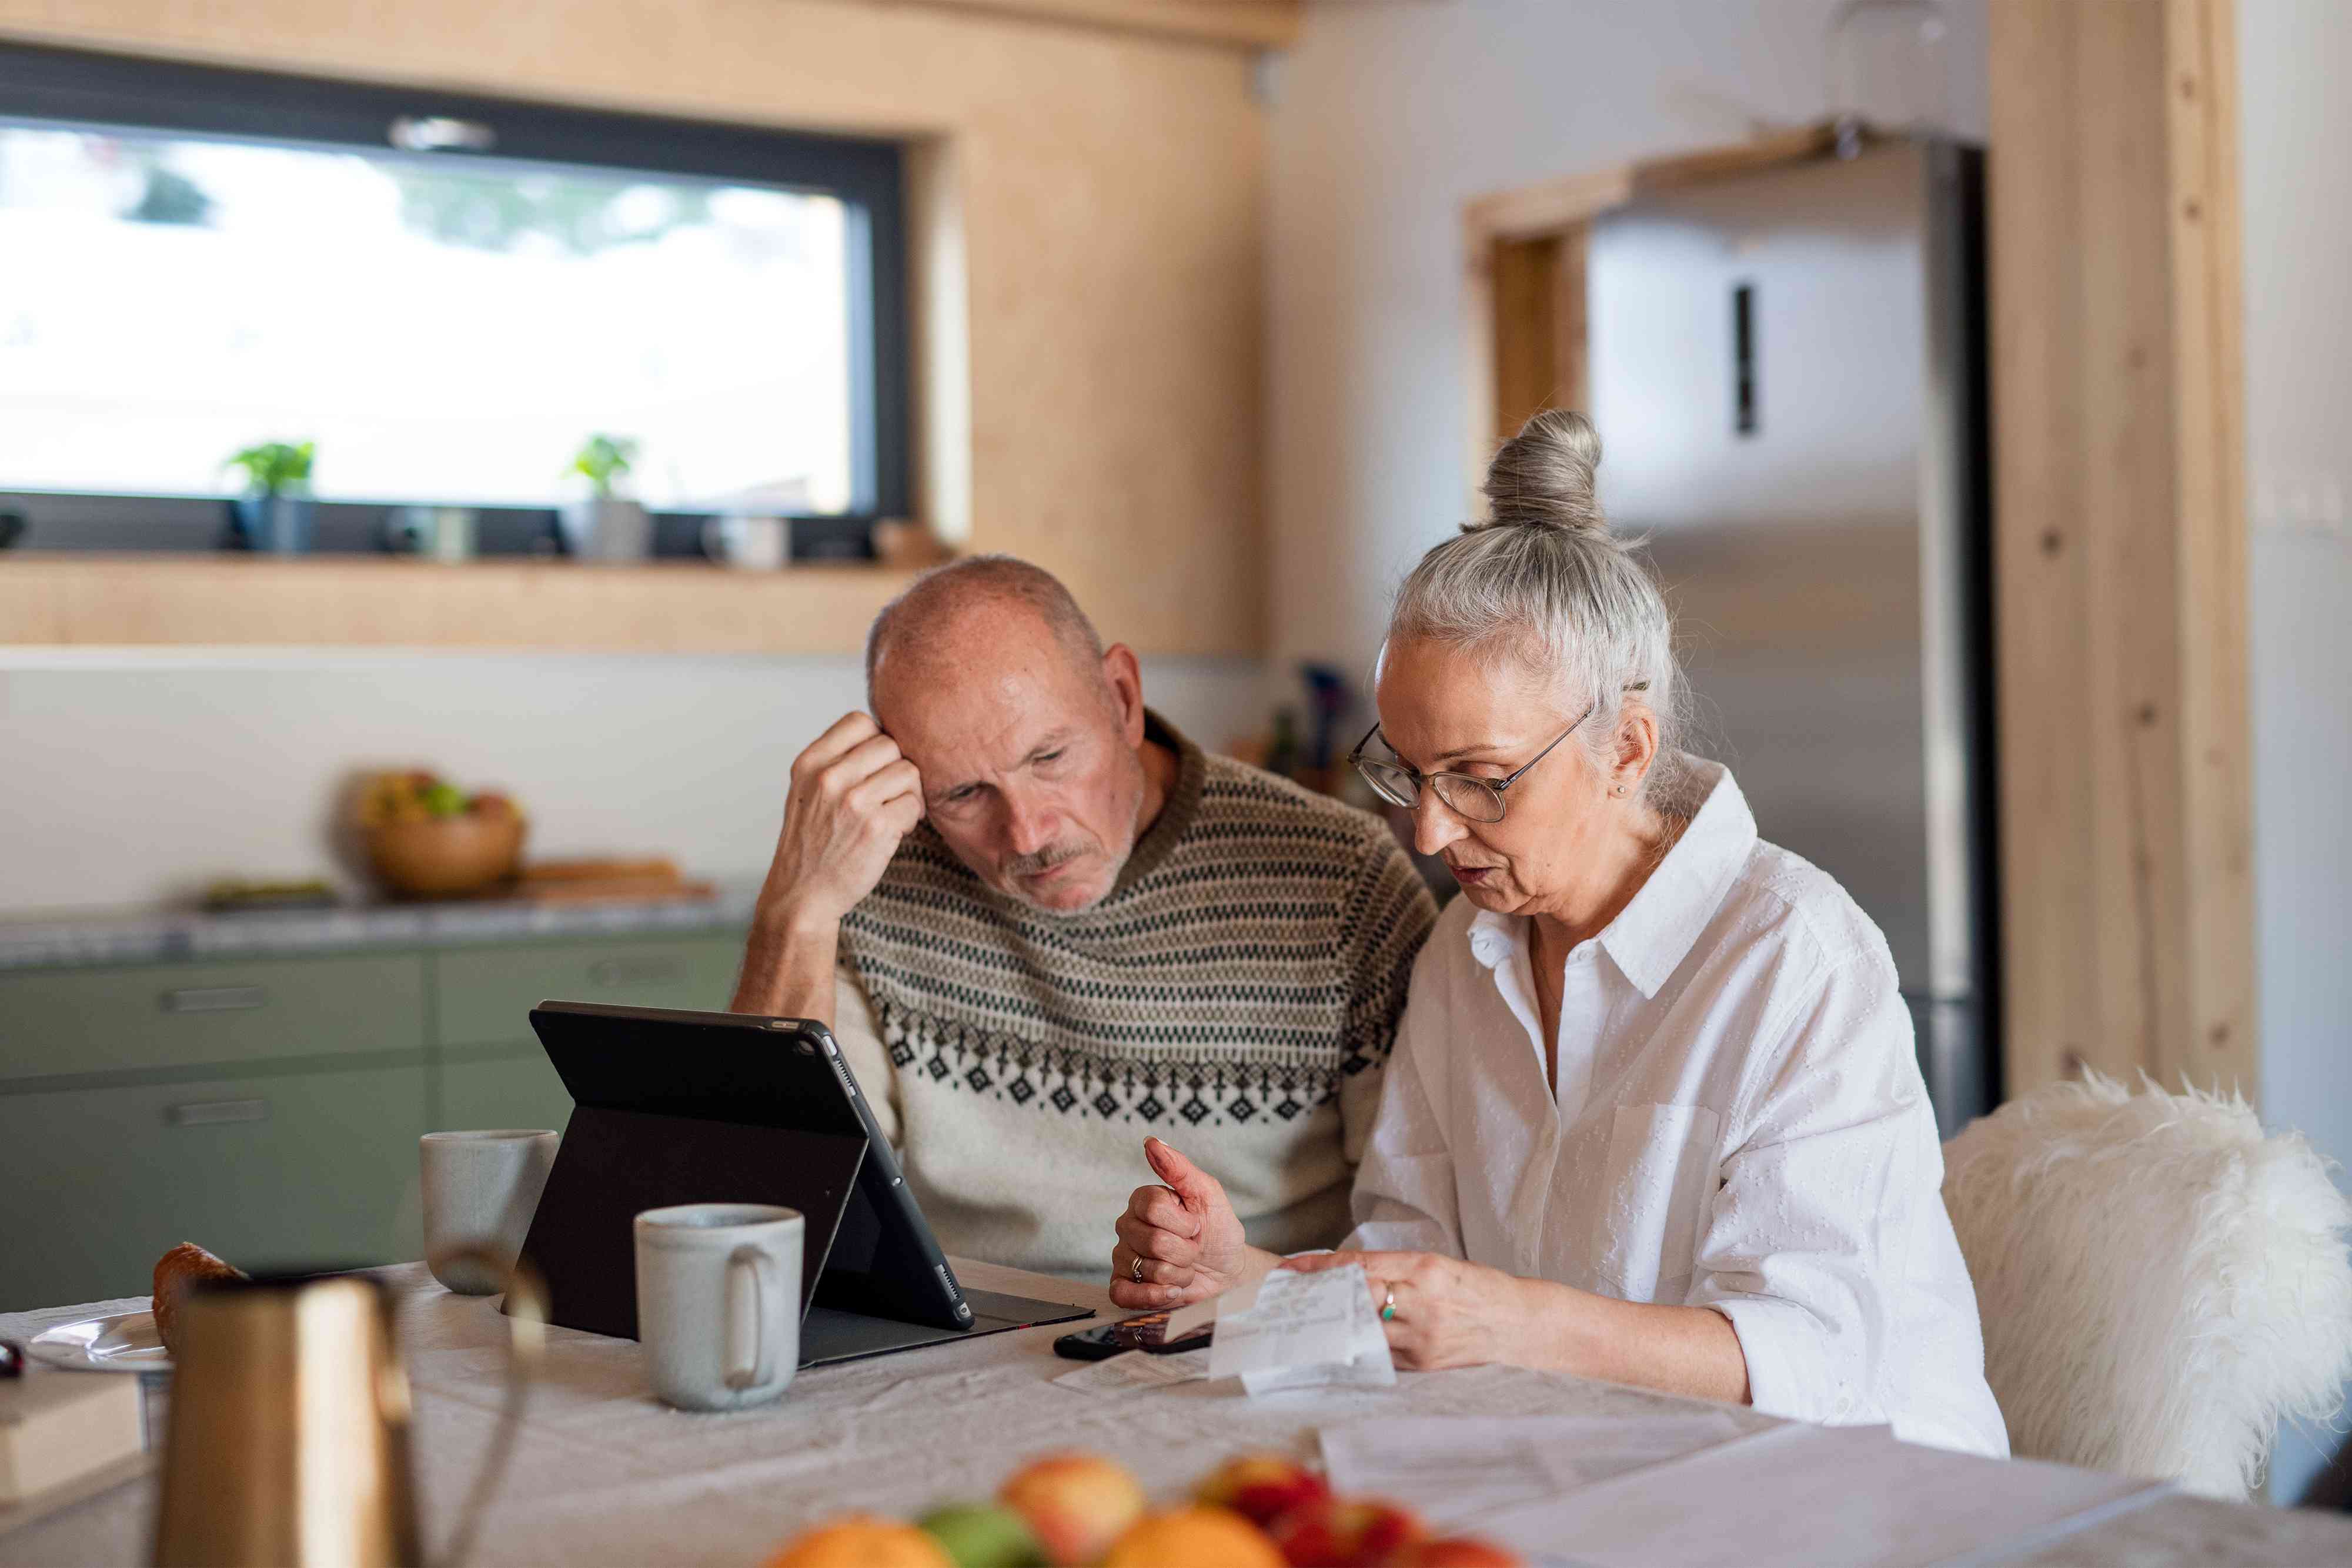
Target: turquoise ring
column 1388, row 1305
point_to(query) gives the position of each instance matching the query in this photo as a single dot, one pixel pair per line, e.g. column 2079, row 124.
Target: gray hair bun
column 1542, row 477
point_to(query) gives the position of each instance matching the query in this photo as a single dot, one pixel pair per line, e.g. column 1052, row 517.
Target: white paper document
column 1295, row 1331
column 1459, row 1471
column 1816, row 1497
column 1134, row 1369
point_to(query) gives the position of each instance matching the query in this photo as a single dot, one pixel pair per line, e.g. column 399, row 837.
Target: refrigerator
column 1787, row 370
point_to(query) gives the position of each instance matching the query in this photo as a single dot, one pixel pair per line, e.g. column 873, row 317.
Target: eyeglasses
column 1473, row 799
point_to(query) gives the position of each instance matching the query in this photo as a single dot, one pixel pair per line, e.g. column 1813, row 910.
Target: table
column 604, row 1474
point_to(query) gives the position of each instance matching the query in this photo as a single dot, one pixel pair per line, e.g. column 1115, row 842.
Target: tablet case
column 674, row 1107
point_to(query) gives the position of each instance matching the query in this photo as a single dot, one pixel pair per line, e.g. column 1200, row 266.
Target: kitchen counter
column 68, row 941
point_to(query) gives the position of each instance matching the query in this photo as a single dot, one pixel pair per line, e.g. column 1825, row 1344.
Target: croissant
column 175, row 1271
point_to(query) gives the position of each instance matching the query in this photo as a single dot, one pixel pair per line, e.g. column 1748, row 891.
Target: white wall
column 128, row 778
column 1388, row 119
column 2296, row 131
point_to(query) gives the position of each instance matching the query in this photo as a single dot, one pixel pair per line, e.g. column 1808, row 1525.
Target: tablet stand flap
column 614, row 1164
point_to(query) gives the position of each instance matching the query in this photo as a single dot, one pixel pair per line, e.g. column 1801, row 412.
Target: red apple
column 1345, row 1532
column 1075, row 1504
column 1454, row 1552
column 1261, row 1488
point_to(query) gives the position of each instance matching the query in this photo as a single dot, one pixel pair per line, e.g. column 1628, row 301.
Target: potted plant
column 606, row 526
column 274, row 514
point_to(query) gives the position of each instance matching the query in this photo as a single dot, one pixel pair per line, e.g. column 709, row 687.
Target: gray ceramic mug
column 480, row 1190
column 719, row 1302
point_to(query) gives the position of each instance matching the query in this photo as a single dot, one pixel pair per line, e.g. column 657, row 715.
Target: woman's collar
column 1656, row 932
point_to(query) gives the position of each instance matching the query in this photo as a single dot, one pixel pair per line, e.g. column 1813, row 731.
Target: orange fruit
column 1194, row 1538
column 861, row 1540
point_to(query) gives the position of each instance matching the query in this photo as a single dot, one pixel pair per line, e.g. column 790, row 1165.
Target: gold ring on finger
column 1136, row 1268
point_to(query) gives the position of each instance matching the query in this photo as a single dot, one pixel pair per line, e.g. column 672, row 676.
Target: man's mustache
column 1043, row 859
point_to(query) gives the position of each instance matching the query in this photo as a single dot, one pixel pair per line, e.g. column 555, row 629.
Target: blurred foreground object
column 1075, row 1510
column 289, row 1429
column 288, row 1439
column 2159, row 1282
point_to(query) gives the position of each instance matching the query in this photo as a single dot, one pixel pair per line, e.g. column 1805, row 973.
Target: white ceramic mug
column 760, row 544
column 719, row 1302
column 480, row 1190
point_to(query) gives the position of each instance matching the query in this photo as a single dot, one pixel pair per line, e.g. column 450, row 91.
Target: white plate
column 125, row 1341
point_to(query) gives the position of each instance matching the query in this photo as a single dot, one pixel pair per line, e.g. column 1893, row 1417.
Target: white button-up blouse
column 1738, row 1123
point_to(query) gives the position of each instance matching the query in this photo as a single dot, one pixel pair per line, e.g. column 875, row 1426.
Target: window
column 447, row 295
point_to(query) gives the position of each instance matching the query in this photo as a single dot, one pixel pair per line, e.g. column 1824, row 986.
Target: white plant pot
column 606, row 529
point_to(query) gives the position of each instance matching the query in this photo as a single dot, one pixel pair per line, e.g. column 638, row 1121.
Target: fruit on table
column 984, row 1535
column 1194, row 1538
column 1454, row 1552
column 1261, row 1488
column 861, row 1540
column 1076, row 1504
column 1345, row 1532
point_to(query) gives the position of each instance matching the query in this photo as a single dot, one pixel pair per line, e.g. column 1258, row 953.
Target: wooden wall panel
column 1528, row 316
column 382, row 601
column 1526, row 338
column 1109, row 184
column 2120, row 542
column 1259, row 23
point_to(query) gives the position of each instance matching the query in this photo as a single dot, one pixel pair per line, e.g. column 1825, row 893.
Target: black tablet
column 675, row 1107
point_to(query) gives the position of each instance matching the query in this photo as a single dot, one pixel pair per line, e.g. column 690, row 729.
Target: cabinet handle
column 213, row 1112
column 215, row 999
column 635, row 971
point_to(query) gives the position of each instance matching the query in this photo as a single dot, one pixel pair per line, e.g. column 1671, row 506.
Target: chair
column 2159, row 1282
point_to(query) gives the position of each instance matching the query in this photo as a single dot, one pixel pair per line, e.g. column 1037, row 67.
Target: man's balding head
column 937, row 622
column 1028, row 732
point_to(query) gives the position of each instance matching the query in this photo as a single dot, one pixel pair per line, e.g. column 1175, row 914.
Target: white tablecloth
column 606, row 1474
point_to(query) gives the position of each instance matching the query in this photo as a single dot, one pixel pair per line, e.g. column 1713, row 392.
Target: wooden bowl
column 442, row 857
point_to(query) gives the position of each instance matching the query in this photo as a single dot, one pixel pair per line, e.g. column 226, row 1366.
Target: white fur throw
column 2159, row 1282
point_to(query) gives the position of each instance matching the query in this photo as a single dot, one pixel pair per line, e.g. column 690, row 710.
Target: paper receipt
column 1295, row 1331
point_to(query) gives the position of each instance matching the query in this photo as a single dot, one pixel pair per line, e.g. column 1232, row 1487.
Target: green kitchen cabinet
column 268, row 1107
column 514, row 1088
column 308, row 1168
column 483, row 996
column 225, row 1012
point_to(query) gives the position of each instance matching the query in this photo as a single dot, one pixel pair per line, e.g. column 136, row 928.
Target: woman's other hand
column 1448, row 1312
column 1182, row 1242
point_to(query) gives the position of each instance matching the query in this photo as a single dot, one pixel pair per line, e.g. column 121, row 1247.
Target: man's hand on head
column 853, row 797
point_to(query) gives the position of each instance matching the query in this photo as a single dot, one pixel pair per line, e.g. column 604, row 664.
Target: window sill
column 93, row 599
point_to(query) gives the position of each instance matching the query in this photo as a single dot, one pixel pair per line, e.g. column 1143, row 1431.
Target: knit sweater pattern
column 1235, row 993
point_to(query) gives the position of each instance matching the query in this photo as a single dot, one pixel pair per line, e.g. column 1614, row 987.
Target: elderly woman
column 1654, row 1115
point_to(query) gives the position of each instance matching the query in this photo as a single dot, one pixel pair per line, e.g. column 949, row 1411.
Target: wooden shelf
column 68, row 599
column 1252, row 24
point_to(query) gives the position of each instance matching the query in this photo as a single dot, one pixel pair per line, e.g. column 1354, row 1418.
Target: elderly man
column 1041, row 922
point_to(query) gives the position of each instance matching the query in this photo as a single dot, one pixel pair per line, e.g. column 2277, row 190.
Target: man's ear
column 1124, row 676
